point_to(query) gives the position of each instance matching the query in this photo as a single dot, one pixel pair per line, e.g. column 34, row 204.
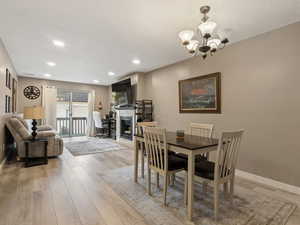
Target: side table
column 36, row 161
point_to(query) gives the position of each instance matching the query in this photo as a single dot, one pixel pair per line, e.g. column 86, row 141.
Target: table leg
column 136, row 159
column 191, row 171
column 46, row 153
column 142, row 160
column 26, row 154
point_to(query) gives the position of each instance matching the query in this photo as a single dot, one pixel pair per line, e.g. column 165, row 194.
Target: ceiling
column 105, row 35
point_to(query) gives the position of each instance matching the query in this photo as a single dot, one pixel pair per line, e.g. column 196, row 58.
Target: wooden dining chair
column 140, row 126
column 159, row 160
column 141, row 147
column 203, row 130
column 222, row 171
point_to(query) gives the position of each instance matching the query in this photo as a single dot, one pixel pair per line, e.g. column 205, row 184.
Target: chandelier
column 209, row 41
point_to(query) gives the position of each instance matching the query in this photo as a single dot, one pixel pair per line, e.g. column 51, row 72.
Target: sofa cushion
column 22, row 121
column 19, row 127
column 44, row 128
column 46, row 134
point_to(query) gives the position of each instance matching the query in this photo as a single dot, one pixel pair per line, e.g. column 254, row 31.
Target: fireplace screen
column 126, row 127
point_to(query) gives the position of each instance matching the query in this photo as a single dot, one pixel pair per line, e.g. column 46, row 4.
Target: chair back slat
column 156, row 147
column 140, row 126
column 201, row 129
column 227, row 153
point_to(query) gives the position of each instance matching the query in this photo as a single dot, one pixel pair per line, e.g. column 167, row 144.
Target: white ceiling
column 105, row 35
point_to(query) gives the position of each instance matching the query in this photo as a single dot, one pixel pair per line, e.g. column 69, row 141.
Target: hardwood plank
column 88, row 213
column 294, row 218
column 114, row 209
column 8, row 194
column 65, row 210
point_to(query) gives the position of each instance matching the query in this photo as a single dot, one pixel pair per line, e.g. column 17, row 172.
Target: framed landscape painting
column 200, row 94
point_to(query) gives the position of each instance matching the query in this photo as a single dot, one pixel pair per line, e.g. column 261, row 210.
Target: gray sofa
column 20, row 131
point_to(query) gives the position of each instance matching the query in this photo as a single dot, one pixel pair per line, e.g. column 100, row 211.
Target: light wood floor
column 70, row 191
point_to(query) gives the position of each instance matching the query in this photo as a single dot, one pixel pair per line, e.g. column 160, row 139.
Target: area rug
column 92, row 146
column 248, row 208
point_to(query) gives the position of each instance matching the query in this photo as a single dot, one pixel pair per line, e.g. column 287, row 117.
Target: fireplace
column 126, row 127
column 125, row 123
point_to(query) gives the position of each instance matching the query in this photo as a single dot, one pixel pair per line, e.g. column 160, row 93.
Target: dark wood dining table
column 191, row 146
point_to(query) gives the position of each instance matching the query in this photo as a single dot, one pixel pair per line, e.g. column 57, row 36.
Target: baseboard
column 2, row 164
column 268, row 181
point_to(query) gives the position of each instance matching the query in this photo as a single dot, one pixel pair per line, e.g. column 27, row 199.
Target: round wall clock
column 32, row 92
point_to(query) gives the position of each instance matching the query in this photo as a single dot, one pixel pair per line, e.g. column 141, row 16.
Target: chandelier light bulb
column 214, row 43
column 207, row 28
column 186, row 36
column 192, row 46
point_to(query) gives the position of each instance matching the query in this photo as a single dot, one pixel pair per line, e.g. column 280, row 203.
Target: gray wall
column 5, row 62
column 260, row 93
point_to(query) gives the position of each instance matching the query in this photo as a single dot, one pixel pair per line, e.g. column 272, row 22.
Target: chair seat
column 205, row 169
column 176, row 163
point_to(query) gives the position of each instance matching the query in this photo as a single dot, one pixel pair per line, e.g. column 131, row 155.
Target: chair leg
column 165, row 188
column 231, row 189
column 143, row 161
column 204, row 184
column 216, row 200
column 149, row 181
column 136, row 160
column 225, row 186
column 157, row 180
column 185, row 188
column 207, row 156
column 172, row 178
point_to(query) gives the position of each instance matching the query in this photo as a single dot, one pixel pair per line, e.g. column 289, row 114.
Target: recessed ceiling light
column 59, row 43
column 96, row 81
column 136, row 61
column 47, row 75
column 111, row 73
column 51, row 63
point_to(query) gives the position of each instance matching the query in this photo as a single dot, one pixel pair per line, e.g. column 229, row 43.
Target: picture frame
column 7, row 104
column 14, row 95
column 201, row 94
column 5, row 109
column 7, row 78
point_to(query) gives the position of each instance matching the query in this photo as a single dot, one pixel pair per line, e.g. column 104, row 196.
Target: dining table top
column 190, row 142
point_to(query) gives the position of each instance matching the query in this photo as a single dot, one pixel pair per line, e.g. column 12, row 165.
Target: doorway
column 71, row 112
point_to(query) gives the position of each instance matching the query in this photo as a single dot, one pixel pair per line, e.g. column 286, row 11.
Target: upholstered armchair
column 21, row 132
